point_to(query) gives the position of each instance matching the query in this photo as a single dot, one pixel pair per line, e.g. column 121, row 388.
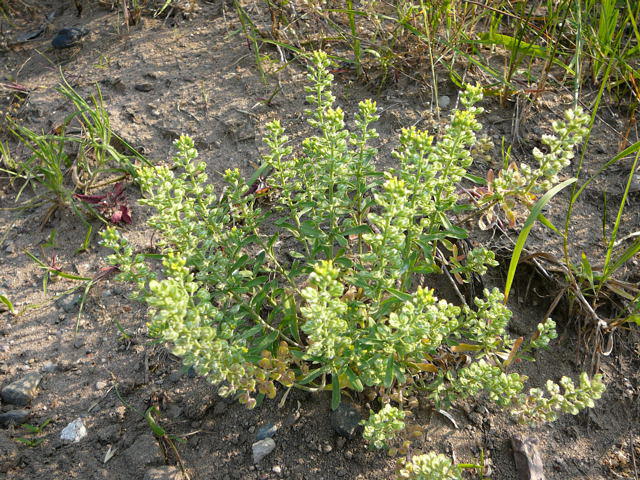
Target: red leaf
column 93, row 199
column 121, row 215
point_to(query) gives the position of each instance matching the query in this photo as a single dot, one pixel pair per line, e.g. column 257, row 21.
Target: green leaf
column 335, row 391
column 309, row 229
column 344, row 262
column 405, row 297
column 153, row 425
column 526, row 228
column 355, row 381
column 266, row 342
column 311, row 376
column 587, row 271
column 256, row 281
column 8, row 303
column 359, row 230
column 388, row 374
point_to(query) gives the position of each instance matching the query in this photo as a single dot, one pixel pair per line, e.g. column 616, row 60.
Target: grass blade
column 524, row 233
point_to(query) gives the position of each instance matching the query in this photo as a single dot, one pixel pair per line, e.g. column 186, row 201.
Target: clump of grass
column 77, row 156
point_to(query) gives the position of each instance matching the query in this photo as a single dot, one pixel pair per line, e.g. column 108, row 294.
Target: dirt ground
column 195, row 74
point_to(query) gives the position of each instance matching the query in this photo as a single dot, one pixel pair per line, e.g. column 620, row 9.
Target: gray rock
column 444, row 101
column 13, row 417
column 74, row 432
column 163, row 473
column 9, row 453
column 143, row 87
column 144, row 452
column 267, row 431
column 50, row 367
column 527, row 457
column 22, row 391
column 345, row 420
column 635, row 183
column 262, row 448
column 68, row 303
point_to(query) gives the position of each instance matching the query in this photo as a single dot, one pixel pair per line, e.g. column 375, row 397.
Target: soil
column 193, row 73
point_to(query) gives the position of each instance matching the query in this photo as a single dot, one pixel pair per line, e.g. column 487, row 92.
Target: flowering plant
column 317, row 281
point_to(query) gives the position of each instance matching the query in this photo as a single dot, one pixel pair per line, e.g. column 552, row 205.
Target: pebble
column 345, row 420
column 163, row 473
column 9, row 453
column 50, row 367
column 13, row 417
column 74, row 432
column 262, row 448
column 143, row 87
column 101, row 385
column 444, row 101
column 266, row 431
column 68, row 37
column 22, row 391
column 277, row 469
column 68, row 303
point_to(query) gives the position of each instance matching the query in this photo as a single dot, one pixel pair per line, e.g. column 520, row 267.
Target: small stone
column 266, row 431
column 13, row 417
column 444, row 101
column 635, row 183
column 68, row 37
column 9, row 453
column 262, row 448
column 101, row 385
column 340, row 442
column 277, row 469
column 345, row 420
column 326, row 448
column 68, row 303
column 50, row 367
column 143, row 87
column 74, row 432
column 163, row 473
column 22, row 391
column 144, row 452
column 527, row 458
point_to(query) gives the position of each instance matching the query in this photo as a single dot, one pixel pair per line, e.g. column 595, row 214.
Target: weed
column 346, row 307
column 56, row 170
column 33, row 430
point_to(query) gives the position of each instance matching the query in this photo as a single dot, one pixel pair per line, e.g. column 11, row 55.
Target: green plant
column 67, row 160
column 314, row 277
column 33, row 430
column 430, row 466
column 383, row 425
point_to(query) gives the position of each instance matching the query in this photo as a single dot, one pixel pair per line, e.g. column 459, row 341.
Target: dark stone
column 267, row 431
column 143, row 87
column 345, row 420
column 22, row 391
column 68, row 37
column 13, row 417
column 68, row 303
